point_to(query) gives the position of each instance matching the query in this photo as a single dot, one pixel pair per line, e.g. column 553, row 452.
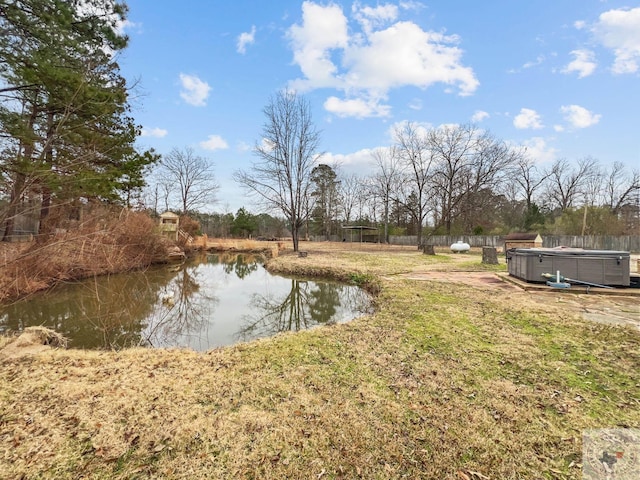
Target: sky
column 559, row 77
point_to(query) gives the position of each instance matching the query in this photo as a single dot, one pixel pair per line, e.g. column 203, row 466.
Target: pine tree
column 64, row 111
column 325, row 195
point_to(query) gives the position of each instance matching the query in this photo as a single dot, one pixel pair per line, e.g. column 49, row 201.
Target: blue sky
column 560, row 77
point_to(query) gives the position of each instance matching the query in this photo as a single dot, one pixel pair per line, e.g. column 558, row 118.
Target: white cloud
column 558, row 128
column 479, row 115
column 356, row 107
column 266, row 144
column 243, row 147
column 127, row 25
column 421, row 128
column 539, row 151
column 619, row 30
column 381, row 13
column 583, row 63
column 366, row 64
column 411, row 5
column 579, row 24
column 415, row 104
column 579, row 117
column 246, row 38
column 359, row 162
column 214, row 142
column 194, row 91
column 538, row 61
column 374, row 17
column 404, row 54
column 323, row 30
column 527, row 118
column 153, row 132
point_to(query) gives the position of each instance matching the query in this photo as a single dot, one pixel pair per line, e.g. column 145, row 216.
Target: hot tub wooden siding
column 603, row 267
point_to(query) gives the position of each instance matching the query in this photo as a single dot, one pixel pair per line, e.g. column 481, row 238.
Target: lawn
column 444, row 380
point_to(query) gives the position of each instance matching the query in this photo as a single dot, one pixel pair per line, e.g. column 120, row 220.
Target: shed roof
column 169, row 215
column 358, row 227
column 524, row 236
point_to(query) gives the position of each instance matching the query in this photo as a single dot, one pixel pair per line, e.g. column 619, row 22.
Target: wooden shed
column 169, row 225
column 522, row 240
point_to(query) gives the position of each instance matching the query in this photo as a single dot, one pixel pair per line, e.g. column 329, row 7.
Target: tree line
column 67, row 140
column 452, row 179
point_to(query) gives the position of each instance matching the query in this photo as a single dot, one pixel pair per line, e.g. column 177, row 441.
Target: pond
column 208, row 302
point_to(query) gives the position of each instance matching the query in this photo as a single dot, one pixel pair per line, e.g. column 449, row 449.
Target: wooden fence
column 625, row 243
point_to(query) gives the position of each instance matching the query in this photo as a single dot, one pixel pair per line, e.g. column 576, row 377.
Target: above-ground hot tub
column 602, row 267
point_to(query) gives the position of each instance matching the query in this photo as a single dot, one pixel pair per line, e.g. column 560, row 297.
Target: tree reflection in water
column 242, row 265
column 211, row 301
column 104, row 312
column 117, row 311
column 306, row 305
column 184, row 312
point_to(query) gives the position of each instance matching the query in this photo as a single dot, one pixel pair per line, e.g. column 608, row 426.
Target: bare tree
column 416, row 157
column 529, row 178
column 166, row 191
column 385, row 181
column 487, row 175
column 453, row 148
column 286, row 156
column 468, row 163
column 620, row 187
column 591, row 191
column 192, row 178
column 566, row 182
column 349, row 192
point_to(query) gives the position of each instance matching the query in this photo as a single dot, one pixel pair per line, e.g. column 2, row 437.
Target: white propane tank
column 460, row 247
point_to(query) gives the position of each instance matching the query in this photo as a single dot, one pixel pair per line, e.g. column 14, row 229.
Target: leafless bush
column 108, row 241
column 189, row 225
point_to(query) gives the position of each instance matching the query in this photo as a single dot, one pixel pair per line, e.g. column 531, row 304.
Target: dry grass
column 105, row 243
column 439, row 383
column 32, row 340
column 244, row 245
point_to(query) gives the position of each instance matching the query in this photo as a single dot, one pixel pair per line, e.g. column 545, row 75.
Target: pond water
column 210, row 301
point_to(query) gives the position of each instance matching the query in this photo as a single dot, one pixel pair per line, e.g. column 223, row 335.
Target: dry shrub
column 234, row 246
column 108, row 241
column 244, row 245
column 189, row 225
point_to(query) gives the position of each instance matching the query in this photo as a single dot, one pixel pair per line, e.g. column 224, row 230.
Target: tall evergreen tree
column 325, row 196
column 64, row 111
